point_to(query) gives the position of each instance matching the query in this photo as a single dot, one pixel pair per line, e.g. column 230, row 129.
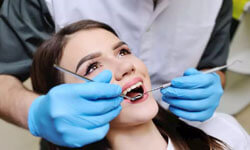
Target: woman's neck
column 145, row 136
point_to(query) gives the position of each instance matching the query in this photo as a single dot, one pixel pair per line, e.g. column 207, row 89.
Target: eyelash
column 91, row 66
column 125, row 50
column 95, row 65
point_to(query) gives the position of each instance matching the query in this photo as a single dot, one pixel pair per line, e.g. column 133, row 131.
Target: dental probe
column 84, row 78
column 205, row 72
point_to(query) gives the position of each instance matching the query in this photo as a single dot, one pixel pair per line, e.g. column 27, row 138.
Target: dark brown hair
column 44, row 77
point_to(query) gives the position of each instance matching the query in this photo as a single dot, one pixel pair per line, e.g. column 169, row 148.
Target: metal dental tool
column 85, row 79
column 141, row 94
column 205, row 72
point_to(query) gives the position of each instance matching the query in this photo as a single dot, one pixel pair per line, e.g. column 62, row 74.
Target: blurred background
column 235, row 101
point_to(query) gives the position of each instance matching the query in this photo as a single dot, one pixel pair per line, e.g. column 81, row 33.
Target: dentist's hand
column 74, row 115
column 194, row 96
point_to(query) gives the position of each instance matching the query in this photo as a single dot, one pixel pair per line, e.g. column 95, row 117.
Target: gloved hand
column 74, row 115
column 194, row 96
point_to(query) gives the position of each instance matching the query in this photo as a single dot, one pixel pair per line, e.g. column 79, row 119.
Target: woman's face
column 105, row 51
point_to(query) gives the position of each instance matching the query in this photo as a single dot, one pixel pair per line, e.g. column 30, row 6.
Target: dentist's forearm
column 222, row 78
column 15, row 101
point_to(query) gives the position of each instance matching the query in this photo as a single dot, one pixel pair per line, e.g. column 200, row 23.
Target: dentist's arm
column 22, row 30
column 71, row 115
column 222, row 78
column 15, row 101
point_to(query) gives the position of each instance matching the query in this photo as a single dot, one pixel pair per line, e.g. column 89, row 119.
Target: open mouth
column 135, row 91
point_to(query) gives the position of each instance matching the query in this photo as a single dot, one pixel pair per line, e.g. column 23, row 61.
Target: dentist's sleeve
column 24, row 25
column 216, row 52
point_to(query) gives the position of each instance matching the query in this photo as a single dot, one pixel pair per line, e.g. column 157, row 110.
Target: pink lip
column 129, row 84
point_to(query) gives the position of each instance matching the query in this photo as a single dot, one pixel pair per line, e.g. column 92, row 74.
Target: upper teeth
column 138, row 84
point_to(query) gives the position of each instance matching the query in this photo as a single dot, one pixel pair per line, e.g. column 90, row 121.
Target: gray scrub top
column 24, row 25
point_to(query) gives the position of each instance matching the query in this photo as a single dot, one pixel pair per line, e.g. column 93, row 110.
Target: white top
column 167, row 49
column 170, row 145
column 226, row 128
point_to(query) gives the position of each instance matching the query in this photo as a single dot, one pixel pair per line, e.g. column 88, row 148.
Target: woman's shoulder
column 226, row 128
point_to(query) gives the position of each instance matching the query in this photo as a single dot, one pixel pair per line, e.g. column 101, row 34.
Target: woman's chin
column 136, row 114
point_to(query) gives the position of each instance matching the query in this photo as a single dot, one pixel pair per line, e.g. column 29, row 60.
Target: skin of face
column 125, row 67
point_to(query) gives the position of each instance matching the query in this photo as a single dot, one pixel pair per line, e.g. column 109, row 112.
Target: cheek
column 141, row 67
column 67, row 78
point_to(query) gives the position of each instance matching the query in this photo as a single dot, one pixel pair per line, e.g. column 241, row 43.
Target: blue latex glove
column 195, row 96
column 74, row 115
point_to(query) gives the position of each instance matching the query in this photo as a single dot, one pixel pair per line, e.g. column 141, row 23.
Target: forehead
column 85, row 42
column 91, row 40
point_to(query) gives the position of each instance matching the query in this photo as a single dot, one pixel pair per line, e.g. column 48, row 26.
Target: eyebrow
column 119, row 44
column 97, row 54
column 86, row 58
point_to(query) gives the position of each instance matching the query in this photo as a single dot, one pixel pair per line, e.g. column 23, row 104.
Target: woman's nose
column 124, row 69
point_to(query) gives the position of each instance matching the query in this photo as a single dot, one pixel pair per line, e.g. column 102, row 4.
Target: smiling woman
column 88, row 48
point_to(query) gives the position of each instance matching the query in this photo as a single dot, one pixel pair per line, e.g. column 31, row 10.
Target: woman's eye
column 124, row 52
column 92, row 67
